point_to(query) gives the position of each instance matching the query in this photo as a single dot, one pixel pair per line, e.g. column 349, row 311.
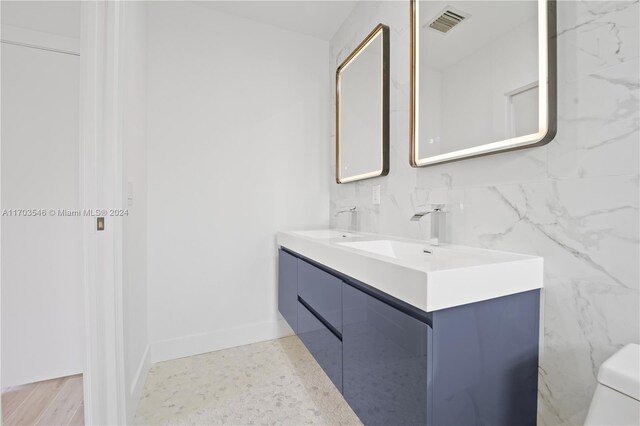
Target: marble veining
column 273, row 382
column 574, row 202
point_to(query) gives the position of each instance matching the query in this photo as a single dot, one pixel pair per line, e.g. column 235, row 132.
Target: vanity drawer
column 322, row 291
column 323, row 344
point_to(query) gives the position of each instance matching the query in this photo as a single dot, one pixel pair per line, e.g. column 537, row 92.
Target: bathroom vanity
column 414, row 334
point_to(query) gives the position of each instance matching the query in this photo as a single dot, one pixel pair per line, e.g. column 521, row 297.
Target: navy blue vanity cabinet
column 288, row 288
column 323, row 343
column 474, row 364
column 385, row 361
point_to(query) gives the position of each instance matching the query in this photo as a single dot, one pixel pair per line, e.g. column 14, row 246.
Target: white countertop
column 442, row 277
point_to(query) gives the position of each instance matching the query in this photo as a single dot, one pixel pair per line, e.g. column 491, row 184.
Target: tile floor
column 273, row 382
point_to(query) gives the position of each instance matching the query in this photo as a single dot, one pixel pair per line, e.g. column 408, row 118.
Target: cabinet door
column 485, row 362
column 325, row 346
column 385, row 363
column 288, row 288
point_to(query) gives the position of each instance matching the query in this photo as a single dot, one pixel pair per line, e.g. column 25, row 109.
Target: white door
column 42, row 293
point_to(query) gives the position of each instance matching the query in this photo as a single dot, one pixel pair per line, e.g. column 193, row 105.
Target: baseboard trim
column 200, row 343
column 137, row 385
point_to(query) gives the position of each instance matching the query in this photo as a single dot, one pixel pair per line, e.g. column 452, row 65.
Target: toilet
column 616, row 400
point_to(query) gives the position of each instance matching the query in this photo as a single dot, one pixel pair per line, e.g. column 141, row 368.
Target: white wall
column 60, row 18
column 574, row 201
column 238, row 144
column 42, row 294
column 133, row 92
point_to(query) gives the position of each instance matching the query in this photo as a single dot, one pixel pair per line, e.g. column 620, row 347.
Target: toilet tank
column 616, row 400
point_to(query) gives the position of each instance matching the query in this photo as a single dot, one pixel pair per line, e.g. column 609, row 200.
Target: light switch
column 375, row 195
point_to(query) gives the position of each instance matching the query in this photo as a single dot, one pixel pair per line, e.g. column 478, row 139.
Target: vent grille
column 448, row 19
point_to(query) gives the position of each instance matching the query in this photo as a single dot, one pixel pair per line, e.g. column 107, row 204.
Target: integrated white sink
column 425, row 276
column 395, row 249
column 433, row 257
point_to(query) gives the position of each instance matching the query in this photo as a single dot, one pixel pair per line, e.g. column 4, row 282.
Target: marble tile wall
column 573, row 201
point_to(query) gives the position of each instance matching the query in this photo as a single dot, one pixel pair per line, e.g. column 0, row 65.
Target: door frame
column 101, row 173
column 101, row 186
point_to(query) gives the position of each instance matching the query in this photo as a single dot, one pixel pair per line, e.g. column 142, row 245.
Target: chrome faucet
column 353, row 223
column 438, row 223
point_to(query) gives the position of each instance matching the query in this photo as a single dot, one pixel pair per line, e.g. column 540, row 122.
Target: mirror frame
column 547, row 99
column 380, row 30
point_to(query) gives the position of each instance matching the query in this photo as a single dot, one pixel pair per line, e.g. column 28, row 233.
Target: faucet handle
column 435, row 208
column 417, row 216
column 353, row 209
column 353, row 224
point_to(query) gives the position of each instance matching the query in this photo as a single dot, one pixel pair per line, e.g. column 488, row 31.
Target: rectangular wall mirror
column 362, row 110
column 483, row 77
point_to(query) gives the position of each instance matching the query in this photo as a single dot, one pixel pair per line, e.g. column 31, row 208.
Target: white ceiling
column 55, row 17
column 316, row 18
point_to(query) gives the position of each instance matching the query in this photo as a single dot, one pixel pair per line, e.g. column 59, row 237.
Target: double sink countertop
column 425, row 276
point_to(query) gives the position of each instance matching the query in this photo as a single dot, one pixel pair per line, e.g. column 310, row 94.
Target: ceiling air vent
column 447, row 19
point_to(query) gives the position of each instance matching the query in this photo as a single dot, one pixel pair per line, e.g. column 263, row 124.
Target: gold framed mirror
column 483, row 77
column 362, row 110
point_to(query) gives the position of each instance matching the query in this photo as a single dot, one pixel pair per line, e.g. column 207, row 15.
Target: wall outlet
column 375, row 195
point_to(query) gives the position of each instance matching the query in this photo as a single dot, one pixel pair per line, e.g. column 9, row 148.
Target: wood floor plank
column 78, row 418
column 63, row 407
column 13, row 396
column 36, row 402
